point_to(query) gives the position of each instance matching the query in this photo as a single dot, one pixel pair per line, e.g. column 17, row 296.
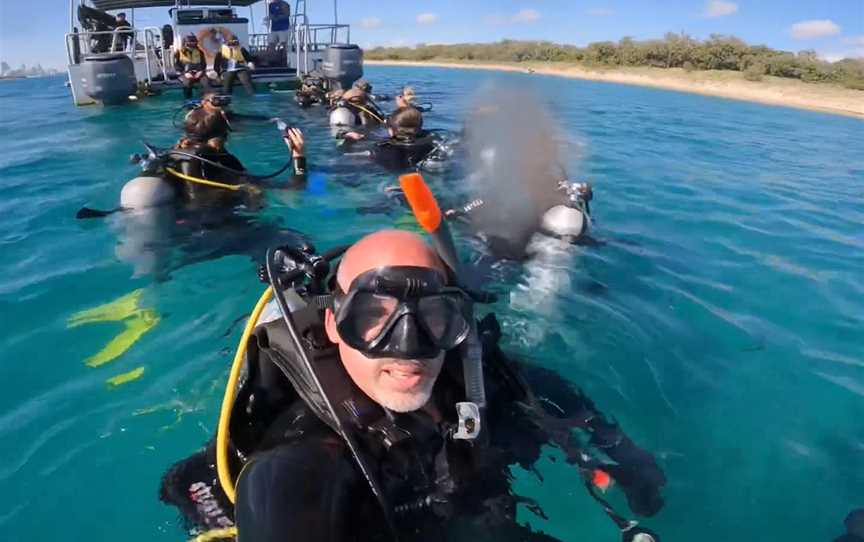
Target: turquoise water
column 721, row 321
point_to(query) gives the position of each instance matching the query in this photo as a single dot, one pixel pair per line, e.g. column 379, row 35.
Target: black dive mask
column 402, row 312
column 220, row 100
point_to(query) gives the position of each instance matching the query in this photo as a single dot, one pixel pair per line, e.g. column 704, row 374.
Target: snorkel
column 428, row 214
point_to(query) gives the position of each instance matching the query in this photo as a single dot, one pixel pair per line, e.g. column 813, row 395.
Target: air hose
column 231, row 170
column 222, row 436
column 206, row 182
column 367, row 110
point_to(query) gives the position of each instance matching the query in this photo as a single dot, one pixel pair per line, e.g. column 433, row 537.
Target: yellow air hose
column 362, row 108
column 216, row 534
column 205, row 182
column 230, row 395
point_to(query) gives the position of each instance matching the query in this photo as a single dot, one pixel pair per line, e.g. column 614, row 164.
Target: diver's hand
column 294, row 139
column 353, row 136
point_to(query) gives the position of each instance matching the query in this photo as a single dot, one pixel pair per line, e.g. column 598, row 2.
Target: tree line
column 718, row 52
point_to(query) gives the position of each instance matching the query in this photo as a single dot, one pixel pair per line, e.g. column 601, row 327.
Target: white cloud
column 526, row 16
column 370, row 22
column 719, row 8
column 600, row 12
column 495, row 19
column 818, row 28
column 854, row 40
column 427, row 18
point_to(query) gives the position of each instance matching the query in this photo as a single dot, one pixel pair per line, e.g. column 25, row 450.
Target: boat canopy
column 107, row 5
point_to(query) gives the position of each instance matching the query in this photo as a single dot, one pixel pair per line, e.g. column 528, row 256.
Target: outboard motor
column 108, row 78
column 343, row 64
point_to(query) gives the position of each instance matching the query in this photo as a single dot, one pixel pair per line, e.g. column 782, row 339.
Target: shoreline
column 732, row 85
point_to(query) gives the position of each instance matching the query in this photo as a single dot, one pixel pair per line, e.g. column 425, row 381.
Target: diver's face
column 397, row 384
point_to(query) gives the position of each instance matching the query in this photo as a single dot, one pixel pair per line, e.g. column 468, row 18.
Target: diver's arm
column 301, row 491
column 635, row 469
column 178, row 66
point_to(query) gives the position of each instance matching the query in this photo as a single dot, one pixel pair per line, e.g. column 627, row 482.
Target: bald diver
column 367, row 403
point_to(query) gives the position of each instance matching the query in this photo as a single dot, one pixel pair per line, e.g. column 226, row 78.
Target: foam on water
column 720, row 321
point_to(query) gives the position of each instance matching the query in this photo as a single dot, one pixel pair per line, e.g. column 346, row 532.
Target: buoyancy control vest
column 405, row 152
column 191, row 58
column 233, row 56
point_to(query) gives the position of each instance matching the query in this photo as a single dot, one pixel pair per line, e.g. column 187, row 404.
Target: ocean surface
column 720, row 318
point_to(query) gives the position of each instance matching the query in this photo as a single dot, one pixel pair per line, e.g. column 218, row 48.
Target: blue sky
column 32, row 32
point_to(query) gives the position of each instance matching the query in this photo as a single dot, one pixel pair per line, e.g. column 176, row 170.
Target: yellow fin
column 135, row 327
column 121, row 379
column 119, row 309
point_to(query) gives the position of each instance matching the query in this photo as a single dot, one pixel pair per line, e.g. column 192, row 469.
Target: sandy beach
column 724, row 84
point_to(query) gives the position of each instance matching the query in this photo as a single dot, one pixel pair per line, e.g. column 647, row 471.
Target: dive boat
column 108, row 63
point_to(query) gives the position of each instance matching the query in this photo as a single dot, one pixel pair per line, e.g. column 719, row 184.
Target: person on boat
column 190, row 63
column 280, row 23
column 124, row 32
column 383, row 441
column 231, row 62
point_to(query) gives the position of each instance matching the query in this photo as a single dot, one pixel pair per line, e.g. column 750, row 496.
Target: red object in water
column 601, row 479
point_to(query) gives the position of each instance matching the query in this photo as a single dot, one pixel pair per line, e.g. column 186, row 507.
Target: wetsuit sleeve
column 302, row 492
column 217, row 63
column 246, row 56
column 178, row 66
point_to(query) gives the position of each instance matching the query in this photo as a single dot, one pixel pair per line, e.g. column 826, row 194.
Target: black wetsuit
column 301, row 483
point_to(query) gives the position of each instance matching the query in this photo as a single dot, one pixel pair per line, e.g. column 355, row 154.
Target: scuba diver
column 312, row 91
column 567, row 217
column 355, row 106
column 405, row 146
column 190, row 63
column 374, row 407
column 234, row 62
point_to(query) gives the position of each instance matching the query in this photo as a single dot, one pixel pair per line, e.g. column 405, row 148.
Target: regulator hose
column 231, row 170
column 230, row 395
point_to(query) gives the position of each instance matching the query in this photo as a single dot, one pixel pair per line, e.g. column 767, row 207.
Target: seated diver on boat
column 373, row 430
column 231, row 62
column 190, row 63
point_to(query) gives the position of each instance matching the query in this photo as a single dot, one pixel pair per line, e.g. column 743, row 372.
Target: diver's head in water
column 405, row 123
column 217, row 143
column 207, row 121
column 393, row 318
column 406, row 98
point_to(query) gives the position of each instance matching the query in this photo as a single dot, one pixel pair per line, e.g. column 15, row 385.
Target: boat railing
column 136, row 43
